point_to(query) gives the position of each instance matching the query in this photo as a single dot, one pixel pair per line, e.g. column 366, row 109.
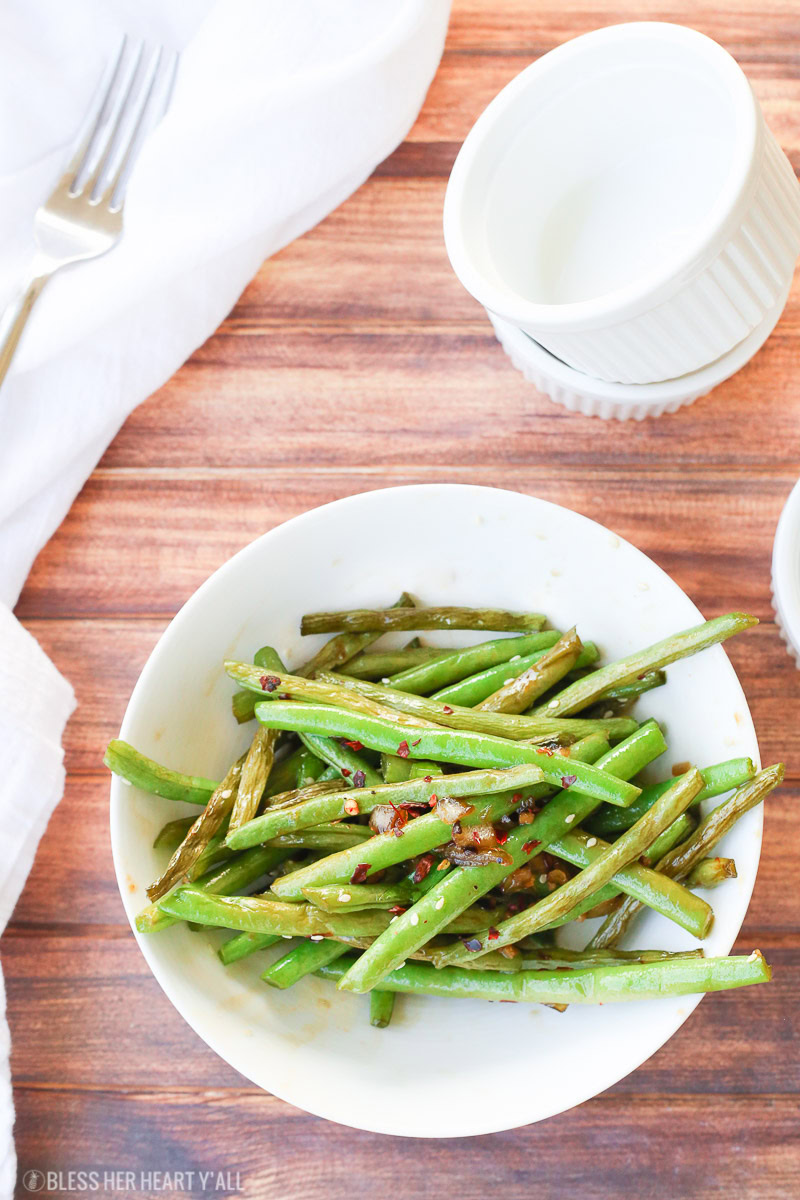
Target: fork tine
column 113, row 191
column 116, row 121
column 95, row 119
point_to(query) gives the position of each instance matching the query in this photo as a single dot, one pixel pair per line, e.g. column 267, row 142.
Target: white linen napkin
column 279, row 112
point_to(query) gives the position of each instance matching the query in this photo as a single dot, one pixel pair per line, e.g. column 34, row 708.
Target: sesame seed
column 439, row 903
column 414, row 919
column 553, row 704
column 287, row 937
column 570, row 818
column 385, row 679
column 543, row 879
column 516, row 658
column 592, row 842
column 506, row 682
column 226, row 794
column 316, row 937
column 344, row 897
column 608, row 713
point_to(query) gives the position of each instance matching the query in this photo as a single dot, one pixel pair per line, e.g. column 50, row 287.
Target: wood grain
column 356, row 360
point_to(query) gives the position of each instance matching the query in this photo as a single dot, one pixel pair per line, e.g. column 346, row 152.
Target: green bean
column 444, row 745
column 381, row 1007
column 323, row 787
column 617, row 699
column 520, row 693
column 449, row 897
column 262, row 914
column 364, row 620
column 150, row 776
column 183, row 864
column 286, row 772
column 253, row 780
column 268, row 658
column 242, row 871
column 547, row 957
column 241, row 945
column 664, row 895
column 600, row 871
column 363, row 696
column 302, row 960
column 394, row 769
column 677, row 832
column 717, row 779
column 412, row 792
column 325, row 837
column 346, row 762
column 711, row 872
column 679, row 862
column 680, row 645
column 458, row 664
column 357, row 896
column 379, row 664
column 341, row 649
column 173, row 833
column 419, row 836
column 593, row 985
column 310, row 768
column 471, row 691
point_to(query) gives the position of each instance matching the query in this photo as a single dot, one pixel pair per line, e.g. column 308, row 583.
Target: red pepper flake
column 447, row 709
column 501, row 836
column 529, row 847
column 284, row 696
column 568, row 780
column 360, row 873
column 352, row 745
column 359, row 779
column 269, row 683
column 472, row 944
column 517, row 797
column 434, row 800
column 493, row 933
column 548, row 750
column 402, row 750
column 346, row 772
column 417, row 742
column 428, row 779
column 423, row 868
column 397, row 909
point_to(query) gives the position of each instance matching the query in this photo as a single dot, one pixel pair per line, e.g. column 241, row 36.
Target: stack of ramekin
column 627, row 219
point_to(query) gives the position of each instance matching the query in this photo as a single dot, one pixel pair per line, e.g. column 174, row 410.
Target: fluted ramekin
column 626, row 401
column 623, row 202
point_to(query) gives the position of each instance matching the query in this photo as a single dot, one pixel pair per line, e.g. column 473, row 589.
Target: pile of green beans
column 425, row 820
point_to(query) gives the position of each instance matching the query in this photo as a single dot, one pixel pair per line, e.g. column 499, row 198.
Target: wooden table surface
column 353, row 361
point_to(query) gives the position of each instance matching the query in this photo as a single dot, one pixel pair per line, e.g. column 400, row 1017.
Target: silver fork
column 83, row 216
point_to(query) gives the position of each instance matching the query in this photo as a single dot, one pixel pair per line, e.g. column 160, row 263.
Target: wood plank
column 710, row 532
column 436, row 397
column 745, row 1147
column 74, row 864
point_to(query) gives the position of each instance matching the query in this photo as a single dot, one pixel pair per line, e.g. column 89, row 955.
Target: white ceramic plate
column 443, row 1068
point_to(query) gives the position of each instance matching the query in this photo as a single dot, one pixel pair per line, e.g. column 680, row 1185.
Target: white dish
column 786, row 574
column 623, row 202
column 625, row 401
column 443, row 1068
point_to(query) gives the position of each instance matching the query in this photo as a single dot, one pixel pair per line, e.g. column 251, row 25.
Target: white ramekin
column 625, row 401
column 623, row 202
column 786, row 574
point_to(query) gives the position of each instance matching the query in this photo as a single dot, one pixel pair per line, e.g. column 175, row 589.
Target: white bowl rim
column 786, row 572
column 213, row 1037
column 659, row 284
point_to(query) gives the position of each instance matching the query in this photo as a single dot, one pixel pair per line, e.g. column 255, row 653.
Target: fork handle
column 15, row 319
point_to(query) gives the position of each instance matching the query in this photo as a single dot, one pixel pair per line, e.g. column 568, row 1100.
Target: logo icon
column 33, row 1181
